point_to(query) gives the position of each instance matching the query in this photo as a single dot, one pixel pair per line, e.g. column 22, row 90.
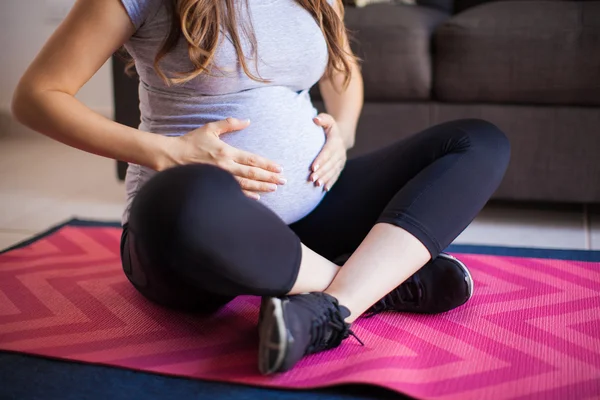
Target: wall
column 25, row 25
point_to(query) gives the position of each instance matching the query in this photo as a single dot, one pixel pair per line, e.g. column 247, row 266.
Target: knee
column 487, row 140
column 163, row 202
column 181, row 180
column 172, row 187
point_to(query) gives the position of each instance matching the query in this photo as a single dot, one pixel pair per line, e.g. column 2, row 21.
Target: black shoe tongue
column 344, row 312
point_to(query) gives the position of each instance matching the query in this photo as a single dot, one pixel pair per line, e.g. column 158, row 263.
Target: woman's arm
column 45, row 97
column 344, row 105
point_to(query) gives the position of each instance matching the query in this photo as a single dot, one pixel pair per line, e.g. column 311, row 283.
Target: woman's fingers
column 253, row 160
column 321, row 159
column 227, row 125
column 255, row 186
column 323, row 171
column 326, row 175
column 252, row 195
column 333, row 180
column 332, row 175
column 255, row 174
column 255, row 180
column 324, row 120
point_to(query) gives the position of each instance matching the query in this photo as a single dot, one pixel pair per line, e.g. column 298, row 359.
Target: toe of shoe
column 454, row 285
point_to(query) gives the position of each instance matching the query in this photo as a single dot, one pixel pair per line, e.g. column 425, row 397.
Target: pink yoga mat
column 532, row 329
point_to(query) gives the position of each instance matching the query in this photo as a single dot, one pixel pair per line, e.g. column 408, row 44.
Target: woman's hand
column 255, row 174
column 330, row 162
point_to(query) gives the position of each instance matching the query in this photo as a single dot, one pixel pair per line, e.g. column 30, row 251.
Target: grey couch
column 530, row 67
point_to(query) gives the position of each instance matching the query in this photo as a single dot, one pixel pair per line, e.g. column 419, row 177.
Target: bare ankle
column 344, row 301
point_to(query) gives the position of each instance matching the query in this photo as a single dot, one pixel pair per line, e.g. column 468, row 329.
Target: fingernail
column 325, row 189
column 319, row 183
column 318, row 119
column 278, row 169
column 257, row 197
column 247, row 120
column 314, row 178
column 316, row 167
column 272, row 187
column 282, row 181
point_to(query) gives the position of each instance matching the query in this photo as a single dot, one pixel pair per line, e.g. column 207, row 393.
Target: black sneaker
column 291, row 327
column 443, row 284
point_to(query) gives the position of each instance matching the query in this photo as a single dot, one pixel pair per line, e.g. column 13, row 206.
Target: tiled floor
column 43, row 183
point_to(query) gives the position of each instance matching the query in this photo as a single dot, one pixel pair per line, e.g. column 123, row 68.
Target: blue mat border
column 529, row 252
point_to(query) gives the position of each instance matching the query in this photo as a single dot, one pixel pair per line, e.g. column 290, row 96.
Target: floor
column 43, row 183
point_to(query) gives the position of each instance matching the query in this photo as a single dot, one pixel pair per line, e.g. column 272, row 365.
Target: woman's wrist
column 348, row 132
column 165, row 152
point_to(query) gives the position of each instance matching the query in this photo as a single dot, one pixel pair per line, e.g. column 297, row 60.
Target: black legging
column 194, row 241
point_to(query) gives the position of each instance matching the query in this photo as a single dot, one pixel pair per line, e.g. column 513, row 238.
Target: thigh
column 366, row 186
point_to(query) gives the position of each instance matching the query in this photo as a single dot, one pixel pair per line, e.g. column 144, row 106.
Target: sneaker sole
column 468, row 277
column 272, row 322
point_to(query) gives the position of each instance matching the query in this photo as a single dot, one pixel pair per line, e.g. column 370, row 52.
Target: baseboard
column 10, row 127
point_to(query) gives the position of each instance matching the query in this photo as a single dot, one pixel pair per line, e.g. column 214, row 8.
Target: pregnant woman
column 237, row 187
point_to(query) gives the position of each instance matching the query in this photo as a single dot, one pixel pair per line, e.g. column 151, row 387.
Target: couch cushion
column 461, row 5
column 520, row 52
column 444, row 5
column 394, row 43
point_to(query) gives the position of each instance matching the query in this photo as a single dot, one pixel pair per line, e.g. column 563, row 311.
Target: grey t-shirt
column 292, row 55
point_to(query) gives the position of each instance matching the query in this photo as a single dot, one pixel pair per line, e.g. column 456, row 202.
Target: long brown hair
column 200, row 22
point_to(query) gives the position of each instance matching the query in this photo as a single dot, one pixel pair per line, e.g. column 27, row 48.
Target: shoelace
column 328, row 329
column 410, row 292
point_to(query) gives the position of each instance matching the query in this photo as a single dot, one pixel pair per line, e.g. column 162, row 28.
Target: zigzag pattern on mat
column 532, row 329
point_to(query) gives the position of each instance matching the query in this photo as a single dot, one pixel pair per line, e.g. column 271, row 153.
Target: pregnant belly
column 293, row 141
column 281, row 130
